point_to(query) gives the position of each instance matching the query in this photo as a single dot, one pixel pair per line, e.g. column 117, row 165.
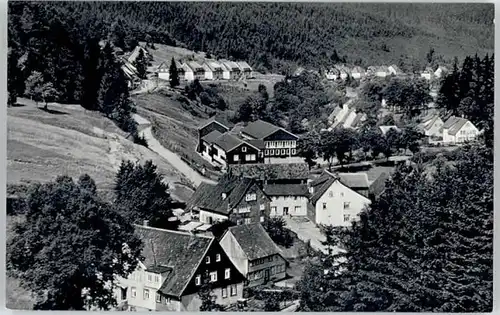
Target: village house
column 334, row 202
column 187, row 71
column 457, row 130
column 427, row 74
column 382, row 71
column 394, row 70
column 198, row 71
column 232, row 70
column 431, row 125
column 344, row 71
column 237, row 199
column 377, row 187
column 332, row 74
column 275, row 142
column 346, row 117
column 285, row 184
column 356, row 181
column 213, row 70
column 385, row 129
column 175, row 266
column 135, row 53
column 358, row 72
column 163, row 71
column 254, row 253
column 245, row 69
column 440, row 72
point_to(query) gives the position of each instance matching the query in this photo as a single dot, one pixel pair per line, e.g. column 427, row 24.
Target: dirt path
column 170, row 156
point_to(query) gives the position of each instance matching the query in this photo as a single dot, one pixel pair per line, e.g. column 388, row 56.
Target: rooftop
column 228, row 141
column 354, row 180
column 254, row 240
column 271, row 171
column 259, row 129
column 286, row 190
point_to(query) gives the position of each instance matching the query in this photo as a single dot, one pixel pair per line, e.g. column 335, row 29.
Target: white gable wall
column 235, row 253
column 435, row 129
column 349, row 119
column 334, row 198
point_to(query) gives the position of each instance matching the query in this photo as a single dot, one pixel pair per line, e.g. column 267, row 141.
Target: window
column 145, row 295
column 250, row 157
column 261, row 219
column 330, row 194
column 250, row 197
column 248, row 220
column 262, row 207
column 236, row 158
column 267, row 151
column 347, row 217
column 124, row 293
column 283, row 152
column 342, row 194
column 297, row 209
column 233, row 290
column 324, row 205
column 150, row 277
column 133, row 292
column 273, row 210
column 273, row 270
column 217, row 257
column 158, row 298
column 272, row 152
column 167, row 300
column 224, row 292
column 347, row 205
column 244, row 149
column 207, row 260
column 213, row 276
column 157, row 279
column 227, row 273
column 244, row 210
column 197, row 280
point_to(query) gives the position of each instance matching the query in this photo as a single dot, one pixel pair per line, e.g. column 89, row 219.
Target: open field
column 42, row 145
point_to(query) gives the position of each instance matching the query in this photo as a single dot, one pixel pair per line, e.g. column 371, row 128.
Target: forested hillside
column 270, row 35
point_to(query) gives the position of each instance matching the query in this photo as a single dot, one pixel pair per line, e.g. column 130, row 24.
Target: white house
column 394, row 70
column 245, row 69
column 431, row 125
column 358, row 73
column 334, row 202
column 332, row 74
column 188, row 72
column 198, row 70
column 213, row 70
column 382, row 71
column 458, row 130
column 163, row 71
column 440, row 72
column 209, row 71
column 385, row 129
column 427, row 74
column 287, row 199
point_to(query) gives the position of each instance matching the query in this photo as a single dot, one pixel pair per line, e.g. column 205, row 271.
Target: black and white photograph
column 249, row 156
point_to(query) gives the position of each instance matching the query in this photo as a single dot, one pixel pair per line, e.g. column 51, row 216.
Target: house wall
column 381, row 74
column 209, row 75
column 256, row 271
column 210, row 217
column 164, row 75
column 246, row 212
column 468, row 132
column 170, row 305
column 334, row 198
column 281, row 144
column 226, row 74
column 343, row 76
column 235, row 253
column 426, row 76
column 189, row 76
column 435, row 129
column 278, row 203
column 356, row 75
column 219, row 155
column 139, row 280
column 244, row 154
column 192, row 302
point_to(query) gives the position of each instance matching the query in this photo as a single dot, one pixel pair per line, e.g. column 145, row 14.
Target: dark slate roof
column 271, row 171
column 259, row 129
column 450, row 122
column 457, row 125
column 209, row 197
column 228, row 142
column 378, row 185
column 159, row 269
column 259, row 144
column 182, row 252
column 254, row 241
column 211, row 137
column 354, row 180
column 286, row 190
column 218, row 121
column 320, row 186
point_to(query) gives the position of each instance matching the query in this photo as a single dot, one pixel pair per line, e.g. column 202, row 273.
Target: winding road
column 155, row 146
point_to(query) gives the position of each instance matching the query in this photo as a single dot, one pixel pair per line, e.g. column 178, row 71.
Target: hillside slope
column 72, row 141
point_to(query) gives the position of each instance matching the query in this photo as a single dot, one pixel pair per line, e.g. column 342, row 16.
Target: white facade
column 433, row 127
column 426, row 75
column 188, row 72
column 381, row 74
column 468, row 132
column 291, row 205
column 356, row 75
column 211, row 217
column 349, row 119
column 220, row 155
column 234, row 251
column 164, row 75
column 209, row 75
column 339, row 205
column 331, row 76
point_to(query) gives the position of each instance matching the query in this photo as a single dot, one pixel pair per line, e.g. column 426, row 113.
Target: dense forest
column 271, row 35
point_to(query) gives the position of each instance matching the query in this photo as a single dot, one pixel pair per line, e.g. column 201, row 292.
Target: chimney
column 224, row 196
column 145, row 223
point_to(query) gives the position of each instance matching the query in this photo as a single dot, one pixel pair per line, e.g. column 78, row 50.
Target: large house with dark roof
column 457, row 130
column 237, row 199
column 274, row 141
column 174, row 267
column 334, row 202
column 254, row 253
column 250, row 145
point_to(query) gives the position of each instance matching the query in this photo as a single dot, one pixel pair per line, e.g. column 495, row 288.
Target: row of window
column 331, row 194
column 281, row 144
column 347, row 205
column 285, row 210
column 284, row 197
column 250, row 197
column 217, row 259
column 248, row 220
column 260, row 273
column 248, row 157
column 261, row 261
column 151, row 278
column 247, row 209
column 213, row 276
column 146, row 296
column 279, row 152
column 233, row 290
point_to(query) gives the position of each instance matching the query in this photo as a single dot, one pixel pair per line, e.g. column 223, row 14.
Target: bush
column 138, row 139
column 276, row 228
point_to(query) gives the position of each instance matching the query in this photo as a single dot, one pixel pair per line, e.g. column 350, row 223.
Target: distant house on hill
column 358, row 72
column 198, row 71
column 394, row 70
column 334, row 202
column 232, row 71
column 385, row 129
column 344, row 71
column 427, row 74
column 254, row 253
column 431, row 125
column 213, row 70
column 187, row 71
column 237, row 199
column 440, row 72
column 382, row 71
column 332, row 74
column 169, row 276
column 135, row 53
column 163, row 71
column 245, row 69
column 457, row 130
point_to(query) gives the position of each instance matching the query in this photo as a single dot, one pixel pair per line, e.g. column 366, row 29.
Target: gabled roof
column 212, row 136
column 454, row 124
column 244, row 65
column 231, row 65
column 228, row 141
column 209, row 197
column 259, row 129
column 214, row 121
column 396, row 69
column 354, row 180
column 334, row 114
column 360, row 117
column 286, row 190
column 178, row 254
column 378, row 185
column 135, row 53
column 194, row 65
column 321, row 185
column 271, row 171
column 215, row 65
column 357, row 69
column 186, row 67
column 254, row 241
column 385, row 129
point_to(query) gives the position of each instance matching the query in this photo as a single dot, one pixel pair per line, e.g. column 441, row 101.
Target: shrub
column 276, row 228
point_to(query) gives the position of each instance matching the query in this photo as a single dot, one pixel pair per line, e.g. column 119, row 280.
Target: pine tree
column 141, row 64
column 173, row 74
